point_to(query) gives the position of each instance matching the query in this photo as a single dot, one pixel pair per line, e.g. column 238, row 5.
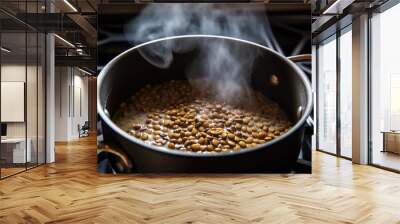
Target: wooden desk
column 391, row 141
column 19, row 155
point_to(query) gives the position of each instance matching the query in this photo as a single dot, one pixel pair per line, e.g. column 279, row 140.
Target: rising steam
column 227, row 66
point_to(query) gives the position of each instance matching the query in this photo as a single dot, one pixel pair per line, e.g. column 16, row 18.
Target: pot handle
column 300, row 57
column 309, row 129
column 112, row 159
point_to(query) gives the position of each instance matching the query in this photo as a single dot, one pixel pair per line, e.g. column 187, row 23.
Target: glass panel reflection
column 15, row 149
column 346, row 94
column 385, row 89
column 41, row 98
column 327, row 96
column 32, row 95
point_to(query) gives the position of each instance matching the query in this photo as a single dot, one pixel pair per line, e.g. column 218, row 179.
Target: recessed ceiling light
column 70, row 5
column 337, row 7
column 5, row 50
column 64, row 40
column 84, row 71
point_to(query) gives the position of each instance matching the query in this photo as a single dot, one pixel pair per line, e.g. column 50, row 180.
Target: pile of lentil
column 177, row 116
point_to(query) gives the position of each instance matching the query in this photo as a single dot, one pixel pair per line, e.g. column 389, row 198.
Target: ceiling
column 16, row 42
column 337, row 14
column 78, row 24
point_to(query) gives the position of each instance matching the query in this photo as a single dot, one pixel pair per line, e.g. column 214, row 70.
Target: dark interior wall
column 92, row 99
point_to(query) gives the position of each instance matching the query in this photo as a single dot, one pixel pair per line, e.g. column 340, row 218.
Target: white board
column 12, row 101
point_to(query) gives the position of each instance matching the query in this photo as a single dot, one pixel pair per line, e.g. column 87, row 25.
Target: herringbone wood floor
column 71, row 191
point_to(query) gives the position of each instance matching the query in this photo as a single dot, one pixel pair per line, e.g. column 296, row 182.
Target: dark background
column 290, row 25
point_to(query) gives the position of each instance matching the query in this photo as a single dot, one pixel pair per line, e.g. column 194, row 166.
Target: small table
column 391, row 141
column 17, row 150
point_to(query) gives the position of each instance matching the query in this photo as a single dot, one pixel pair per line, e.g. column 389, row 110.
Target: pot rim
column 161, row 149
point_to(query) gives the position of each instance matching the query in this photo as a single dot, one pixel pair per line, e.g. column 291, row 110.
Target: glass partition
column 32, row 98
column 14, row 144
column 385, row 89
column 327, row 96
column 22, row 67
column 32, row 88
column 41, row 111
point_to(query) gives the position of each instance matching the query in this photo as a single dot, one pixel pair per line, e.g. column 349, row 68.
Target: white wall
column 70, row 83
column 62, row 81
column 80, row 110
column 14, row 73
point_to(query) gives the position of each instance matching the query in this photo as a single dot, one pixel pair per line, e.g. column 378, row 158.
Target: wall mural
column 203, row 88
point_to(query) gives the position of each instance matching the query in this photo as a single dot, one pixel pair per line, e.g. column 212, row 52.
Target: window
column 346, row 92
column 327, row 96
column 385, row 86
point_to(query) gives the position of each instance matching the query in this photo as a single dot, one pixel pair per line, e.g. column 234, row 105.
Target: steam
column 226, row 66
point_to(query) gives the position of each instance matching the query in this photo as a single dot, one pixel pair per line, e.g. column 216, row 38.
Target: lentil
column 177, row 116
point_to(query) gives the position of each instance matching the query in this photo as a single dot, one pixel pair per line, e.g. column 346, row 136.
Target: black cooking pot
column 273, row 75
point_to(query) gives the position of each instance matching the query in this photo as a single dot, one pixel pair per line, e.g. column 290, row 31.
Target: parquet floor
column 10, row 171
column 71, row 191
column 387, row 159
